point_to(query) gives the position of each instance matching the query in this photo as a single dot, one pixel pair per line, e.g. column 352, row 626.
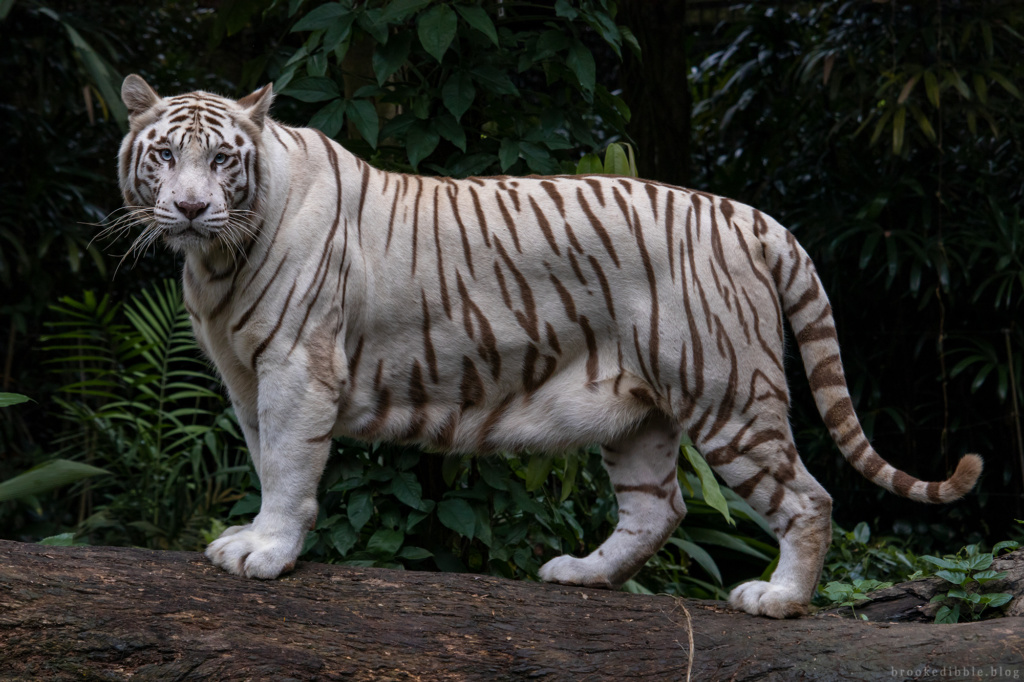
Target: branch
column 90, row 612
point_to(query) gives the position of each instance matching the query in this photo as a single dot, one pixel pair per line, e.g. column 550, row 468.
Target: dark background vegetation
column 886, row 135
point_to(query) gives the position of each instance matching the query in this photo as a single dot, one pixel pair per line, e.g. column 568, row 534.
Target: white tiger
column 494, row 314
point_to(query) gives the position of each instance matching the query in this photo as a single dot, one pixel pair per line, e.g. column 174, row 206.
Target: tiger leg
column 771, row 477
column 289, row 464
column 642, row 467
column 245, row 411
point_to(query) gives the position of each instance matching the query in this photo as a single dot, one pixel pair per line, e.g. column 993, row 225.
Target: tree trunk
column 656, row 89
column 113, row 613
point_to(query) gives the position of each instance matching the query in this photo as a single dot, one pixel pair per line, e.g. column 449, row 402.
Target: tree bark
column 113, row 613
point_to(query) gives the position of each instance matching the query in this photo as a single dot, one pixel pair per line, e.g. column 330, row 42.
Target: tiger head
column 190, row 166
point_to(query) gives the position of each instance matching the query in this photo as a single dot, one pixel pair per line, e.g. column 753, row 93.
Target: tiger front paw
column 760, row 598
column 569, row 570
column 244, row 551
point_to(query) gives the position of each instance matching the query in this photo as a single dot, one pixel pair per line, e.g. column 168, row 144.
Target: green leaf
column 8, row 399
column 46, row 477
column 931, row 88
column 360, row 508
column 508, row 154
column 1005, row 544
column 398, row 11
column 250, row 504
column 458, row 93
column 420, row 141
column 413, row 554
column 537, row 471
column 862, row 532
column 343, row 537
column 478, row 18
column 581, row 61
column 385, row 542
column 62, row 540
column 313, row 89
column 995, row 599
column 615, row 160
column 330, row 119
column 708, row 485
column 494, row 80
column 323, row 17
column 387, row 59
column 955, row 577
column 457, row 514
column 589, row 164
column 947, row 616
column 407, row 489
column 941, row 563
column 700, row 555
column 449, row 129
column 436, row 30
column 492, row 471
column 364, row 115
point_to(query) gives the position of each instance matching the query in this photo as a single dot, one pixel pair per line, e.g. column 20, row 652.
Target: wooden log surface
column 105, row 613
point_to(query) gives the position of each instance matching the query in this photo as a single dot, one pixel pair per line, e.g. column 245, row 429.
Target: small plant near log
column 968, row 571
column 848, row 594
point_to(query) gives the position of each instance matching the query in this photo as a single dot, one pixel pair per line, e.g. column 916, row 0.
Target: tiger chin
column 493, row 315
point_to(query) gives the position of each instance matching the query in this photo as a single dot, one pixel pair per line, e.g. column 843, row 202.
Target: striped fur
column 495, row 314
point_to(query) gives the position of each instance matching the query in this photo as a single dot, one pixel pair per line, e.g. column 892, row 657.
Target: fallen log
column 117, row 613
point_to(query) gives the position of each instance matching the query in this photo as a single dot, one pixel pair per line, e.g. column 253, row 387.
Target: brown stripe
column 453, row 198
column 528, row 317
column 652, row 285
column 510, row 223
column 598, row 227
column 872, row 466
column 605, row 288
column 248, row 313
column 838, row 413
column 440, row 257
column 592, row 360
column 809, row 296
column 471, row 388
column 273, row 332
column 480, row 219
column 428, row 345
column 827, row 373
column 563, row 293
column 902, row 482
column 545, row 226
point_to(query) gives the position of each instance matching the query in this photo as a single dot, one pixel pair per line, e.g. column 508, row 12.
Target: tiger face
column 190, row 167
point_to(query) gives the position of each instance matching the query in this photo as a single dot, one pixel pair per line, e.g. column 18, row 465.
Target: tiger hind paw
column 761, row 598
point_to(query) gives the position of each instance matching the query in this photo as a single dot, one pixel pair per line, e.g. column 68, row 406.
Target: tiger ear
column 257, row 104
column 137, row 95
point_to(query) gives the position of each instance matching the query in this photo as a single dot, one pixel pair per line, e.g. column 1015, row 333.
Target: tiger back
column 494, row 315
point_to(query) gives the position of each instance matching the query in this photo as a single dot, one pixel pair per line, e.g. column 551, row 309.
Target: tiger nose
column 191, row 209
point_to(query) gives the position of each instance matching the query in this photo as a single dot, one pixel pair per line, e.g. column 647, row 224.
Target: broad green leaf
column 360, row 508
column 413, row 554
column 436, row 30
column 449, row 129
column 46, row 477
column 494, row 80
column 407, row 489
column 343, row 537
column 955, row 577
column 458, row 515
column 61, row 540
column 947, row 616
column 330, row 119
column 398, row 11
column 458, row 93
column 589, row 164
column 537, row 470
column 323, row 17
column 862, row 533
column 420, row 141
column 364, row 115
column 8, row 399
column 995, row 599
column 387, row 59
column 581, row 62
column 615, row 160
column 313, row 89
column 1005, row 544
column 709, row 486
column 478, row 18
column 385, row 542
column 491, row 470
column 508, row 154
